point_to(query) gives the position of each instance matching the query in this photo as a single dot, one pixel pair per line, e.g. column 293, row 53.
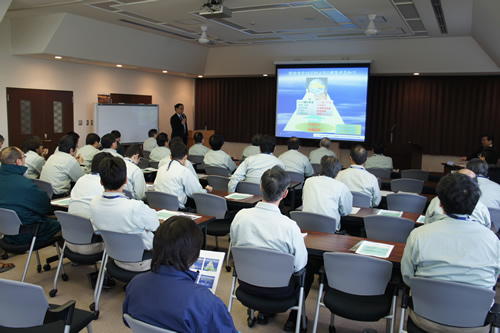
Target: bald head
column 12, row 155
column 467, row 172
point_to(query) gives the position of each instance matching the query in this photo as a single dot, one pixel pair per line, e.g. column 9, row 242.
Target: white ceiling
column 266, row 21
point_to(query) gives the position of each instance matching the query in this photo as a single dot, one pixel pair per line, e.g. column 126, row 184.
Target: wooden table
column 319, row 242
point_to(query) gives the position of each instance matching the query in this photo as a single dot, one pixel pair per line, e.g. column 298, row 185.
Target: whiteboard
column 132, row 120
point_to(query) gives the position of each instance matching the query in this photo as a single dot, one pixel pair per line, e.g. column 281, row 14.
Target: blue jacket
column 29, row 202
column 171, row 299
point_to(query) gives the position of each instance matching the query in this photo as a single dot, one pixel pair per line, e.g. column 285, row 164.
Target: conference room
column 444, row 110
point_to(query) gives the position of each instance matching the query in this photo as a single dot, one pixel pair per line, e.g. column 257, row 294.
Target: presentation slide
column 322, row 101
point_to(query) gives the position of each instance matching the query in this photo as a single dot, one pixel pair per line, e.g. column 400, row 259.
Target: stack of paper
column 373, row 249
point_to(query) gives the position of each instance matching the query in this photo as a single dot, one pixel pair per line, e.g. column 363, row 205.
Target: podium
column 405, row 156
column 206, row 134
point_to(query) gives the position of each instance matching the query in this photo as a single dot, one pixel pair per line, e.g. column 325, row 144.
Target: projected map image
column 322, row 102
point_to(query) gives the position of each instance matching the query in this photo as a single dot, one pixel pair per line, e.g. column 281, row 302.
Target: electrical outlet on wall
column 87, row 122
column 80, row 122
column 91, row 122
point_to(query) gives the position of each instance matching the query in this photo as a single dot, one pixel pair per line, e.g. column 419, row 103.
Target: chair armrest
column 64, row 312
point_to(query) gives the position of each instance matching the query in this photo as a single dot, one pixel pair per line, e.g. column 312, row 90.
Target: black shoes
column 291, row 321
column 263, row 318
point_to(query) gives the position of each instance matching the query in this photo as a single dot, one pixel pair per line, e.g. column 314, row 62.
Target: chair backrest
column 407, row 185
column 123, row 247
column 154, row 164
column 22, row 304
column 451, row 303
column 314, row 222
column 146, row 154
column 210, row 204
column 162, row 200
column 215, row 170
column 143, row 163
column 406, row 202
column 9, row 222
column 380, row 172
column 44, row 186
column 219, row 183
column 75, row 229
column 356, row 274
column 296, row 177
column 263, row 267
column 388, row 228
column 415, row 174
column 495, row 217
column 249, row 188
column 316, row 167
column 361, row 199
column 138, row 326
column 196, row 158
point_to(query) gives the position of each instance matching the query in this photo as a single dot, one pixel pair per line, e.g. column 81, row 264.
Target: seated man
column 264, row 226
column 87, row 188
column 35, row 156
column 454, row 248
column 150, row 142
column 253, row 149
column 22, row 195
column 252, row 168
column 198, row 149
column 490, row 191
column 136, row 183
column 216, row 157
column 119, row 148
column 378, row 160
column 357, row 179
column 326, row 195
column 161, row 151
column 113, row 211
column 62, row 167
column 316, row 155
column 480, row 214
column 176, row 179
column 168, row 296
column 109, row 145
column 486, row 142
column 90, row 149
column 166, row 160
column 295, row 161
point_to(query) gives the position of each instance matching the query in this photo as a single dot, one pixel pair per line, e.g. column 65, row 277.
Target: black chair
column 268, row 269
column 24, row 308
column 11, row 225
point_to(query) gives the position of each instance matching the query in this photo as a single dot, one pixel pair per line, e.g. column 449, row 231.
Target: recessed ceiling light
column 58, row 57
column 264, row 74
column 119, row 66
column 416, row 74
column 164, row 71
column 200, row 76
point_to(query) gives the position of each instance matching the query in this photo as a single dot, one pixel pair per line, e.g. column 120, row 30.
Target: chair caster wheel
column 64, row 277
column 92, row 307
column 38, row 268
column 46, row 267
column 228, row 268
column 53, row 293
column 5, row 256
column 251, row 321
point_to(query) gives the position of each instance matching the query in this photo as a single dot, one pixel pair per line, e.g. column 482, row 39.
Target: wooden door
column 44, row 113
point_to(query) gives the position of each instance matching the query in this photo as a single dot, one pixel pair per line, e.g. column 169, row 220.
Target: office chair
column 406, row 202
column 314, row 222
column 138, row 326
column 146, row 154
column 388, row 228
column 361, row 200
column 316, row 168
column 218, row 183
column 154, row 164
column 162, row 200
column 44, row 186
column 380, row 172
column 11, row 225
column 296, row 177
column 358, row 288
column 495, row 218
column 268, row 269
column 449, row 303
column 127, row 248
column 407, row 185
column 415, row 174
column 76, row 230
column 24, row 308
column 196, row 159
column 249, row 188
column 215, row 170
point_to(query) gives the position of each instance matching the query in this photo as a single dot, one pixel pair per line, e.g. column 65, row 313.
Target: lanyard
column 463, row 218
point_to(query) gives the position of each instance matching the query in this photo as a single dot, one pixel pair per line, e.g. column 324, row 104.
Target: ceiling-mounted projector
column 215, row 9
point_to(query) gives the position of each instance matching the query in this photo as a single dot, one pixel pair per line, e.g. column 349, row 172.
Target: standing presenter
column 179, row 123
